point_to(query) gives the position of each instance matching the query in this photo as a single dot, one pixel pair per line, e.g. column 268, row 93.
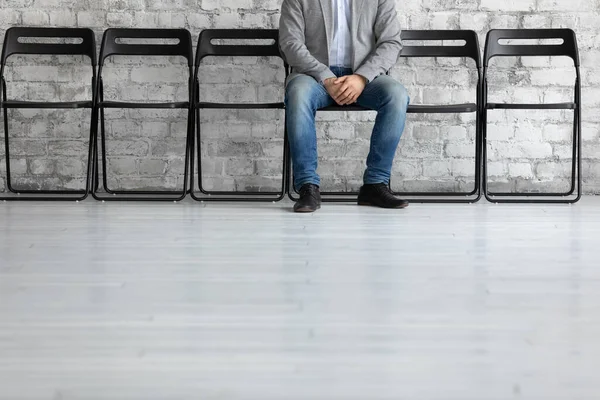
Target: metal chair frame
column 112, row 46
column 568, row 48
column 14, row 46
column 206, row 48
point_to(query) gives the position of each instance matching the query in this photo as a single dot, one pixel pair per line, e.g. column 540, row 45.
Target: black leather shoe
column 310, row 199
column 380, row 195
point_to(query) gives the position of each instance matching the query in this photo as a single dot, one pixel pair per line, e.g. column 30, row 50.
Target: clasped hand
column 347, row 89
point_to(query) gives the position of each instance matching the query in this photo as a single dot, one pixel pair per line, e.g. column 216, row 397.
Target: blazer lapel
column 327, row 8
column 357, row 6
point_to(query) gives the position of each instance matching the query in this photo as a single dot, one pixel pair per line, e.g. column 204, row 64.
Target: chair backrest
column 470, row 49
column 568, row 47
column 83, row 38
column 113, row 43
column 207, row 48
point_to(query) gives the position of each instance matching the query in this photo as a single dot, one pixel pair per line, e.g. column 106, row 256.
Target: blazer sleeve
column 291, row 43
column 388, row 42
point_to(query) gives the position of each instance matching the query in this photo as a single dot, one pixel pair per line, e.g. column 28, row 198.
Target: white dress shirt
column 341, row 47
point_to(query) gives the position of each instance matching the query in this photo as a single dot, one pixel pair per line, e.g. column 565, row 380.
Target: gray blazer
column 305, row 34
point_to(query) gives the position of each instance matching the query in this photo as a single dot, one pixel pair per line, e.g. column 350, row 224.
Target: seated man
column 340, row 51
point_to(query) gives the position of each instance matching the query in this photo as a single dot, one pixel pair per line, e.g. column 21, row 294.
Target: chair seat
column 123, row 104
column 442, row 109
column 509, row 106
column 351, row 107
column 241, row 106
column 415, row 109
column 46, row 105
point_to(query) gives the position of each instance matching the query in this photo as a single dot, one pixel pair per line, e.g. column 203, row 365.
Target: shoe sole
column 306, row 210
column 363, row 203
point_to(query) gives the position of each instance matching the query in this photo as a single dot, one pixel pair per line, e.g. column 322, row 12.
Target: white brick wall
column 242, row 149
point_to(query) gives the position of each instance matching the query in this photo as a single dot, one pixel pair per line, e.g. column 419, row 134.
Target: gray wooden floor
column 246, row 302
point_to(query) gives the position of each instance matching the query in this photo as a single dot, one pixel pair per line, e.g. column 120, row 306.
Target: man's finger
column 341, row 80
column 343, row 88
column 352, row 98
column 349, row 100
column 345, row 97
column 340, row 99
column 339, row 90
column 348, row 90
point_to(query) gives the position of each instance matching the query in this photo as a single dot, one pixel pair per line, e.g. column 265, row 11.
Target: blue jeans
column 304, row 96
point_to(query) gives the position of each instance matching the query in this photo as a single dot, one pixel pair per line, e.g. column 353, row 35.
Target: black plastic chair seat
column 442, row 109
column 415, row 109
column 241, row 106
column 351, row 107
column 509, row 106
column 46, row 105
column 125, row 104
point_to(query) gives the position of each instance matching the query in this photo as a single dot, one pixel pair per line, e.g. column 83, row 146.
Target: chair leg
column 192, row 145
column 6, row 141
column 133, row 195
column 36, row 195
column 288, row 177
column 198, row 150
column 232, row 196
column 579, row 144
column 95, row 164
column 284, row 161
column 484, row 155
column 540, row 198
column 103, row 143
column 187, row 155
column 7, row 152
column 479, row 140
column 129, row 195
column 574, row 173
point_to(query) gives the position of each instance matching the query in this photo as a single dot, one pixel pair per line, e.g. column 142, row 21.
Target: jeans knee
column 398, row 97
column 299, row 93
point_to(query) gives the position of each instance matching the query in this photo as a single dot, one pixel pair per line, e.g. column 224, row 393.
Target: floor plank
column 252, row 302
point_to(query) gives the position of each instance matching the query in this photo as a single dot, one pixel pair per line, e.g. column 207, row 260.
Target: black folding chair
column 114, row 44
column 469, row 50
column 54, row 41
column 207, row 48
column 568, row 48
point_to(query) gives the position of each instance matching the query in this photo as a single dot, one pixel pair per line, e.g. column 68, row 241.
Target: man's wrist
column 323, row 76
column 364, row 78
